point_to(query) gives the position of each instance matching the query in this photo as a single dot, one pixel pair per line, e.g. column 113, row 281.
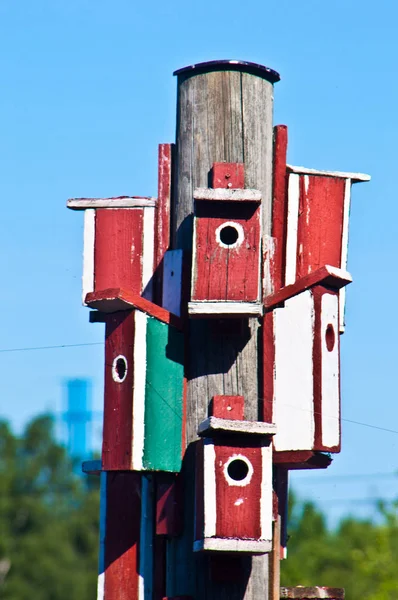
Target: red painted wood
column 118, row 397
column 222, row 273
column 118, row 249
column 122, row 533
column 268, row 360
column 228, row 407
column 324, row 275
column 320, row 223
column 281, row 490
column 279, row 207
column 168, row 505
column 234, row 518
column 228, row 175
column 123, row 300
column 162, row 216
column 301, row 459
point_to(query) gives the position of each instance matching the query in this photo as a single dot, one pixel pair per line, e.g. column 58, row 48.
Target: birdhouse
column 318, row 209
column 226, row 263
column 302, row 354
column 233, row 511
column 118, row 243
column 144, row 384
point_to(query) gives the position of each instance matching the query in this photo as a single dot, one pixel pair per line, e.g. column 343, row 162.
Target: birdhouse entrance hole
column 119, row 369
column 229, row 235
column 238, row 470
column 330, row 337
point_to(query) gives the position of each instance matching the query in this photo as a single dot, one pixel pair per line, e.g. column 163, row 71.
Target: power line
column 4, row 350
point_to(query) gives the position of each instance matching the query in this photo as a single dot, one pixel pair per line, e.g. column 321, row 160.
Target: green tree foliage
column 48, row 519
column 361, row 556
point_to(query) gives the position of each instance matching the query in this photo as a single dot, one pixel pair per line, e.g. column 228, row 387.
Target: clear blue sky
column 87, row 93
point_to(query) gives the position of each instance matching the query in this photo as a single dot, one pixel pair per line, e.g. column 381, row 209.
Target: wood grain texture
column 118, row 252
column 279, row 206
column 310, row 593
column 121, row 537
column 222, row 116
column 162, row 216
column 320, row 223
column 112, row 300
column 223, row 271
column 228, row 175
column 118, row 396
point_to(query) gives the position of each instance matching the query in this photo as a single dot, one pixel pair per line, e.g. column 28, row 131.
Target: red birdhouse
column 226, row 266
column 233, row 482
column 118, row 243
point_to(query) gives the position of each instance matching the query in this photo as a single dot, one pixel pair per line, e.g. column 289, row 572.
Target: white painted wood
column 101, row 586
column 172, row 281
column 233, row 545
column 225, row 308
column 266, row 493
column 330, row 373
column 212, row 425
column 140, row 322
column 145, row 576
column 231, row 195
column 292, row 226
column 102, row 540
column 148, row 253
column 356, row 177
column 88, row 253
column 121, row 202
column 344, row 250
column 293, row 407
column 209, row 479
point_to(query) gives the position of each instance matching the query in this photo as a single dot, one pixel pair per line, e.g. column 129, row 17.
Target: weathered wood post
column 225, row 111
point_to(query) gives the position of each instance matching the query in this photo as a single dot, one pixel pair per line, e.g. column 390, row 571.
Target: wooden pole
column 224, row 113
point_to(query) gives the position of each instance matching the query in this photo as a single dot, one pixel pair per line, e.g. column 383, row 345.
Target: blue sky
column 87, row 93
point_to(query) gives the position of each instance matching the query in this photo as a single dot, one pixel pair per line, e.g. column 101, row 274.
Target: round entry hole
column 119, row 369
column 330, row 337
column 229, row 235
column 238, row 469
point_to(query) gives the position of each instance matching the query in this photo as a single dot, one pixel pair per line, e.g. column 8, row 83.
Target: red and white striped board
column 233, row 509
column 118, row 243
column 126, row 537
column 301, row 371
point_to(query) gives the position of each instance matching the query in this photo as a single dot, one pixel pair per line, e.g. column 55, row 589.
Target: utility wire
column 4, row 350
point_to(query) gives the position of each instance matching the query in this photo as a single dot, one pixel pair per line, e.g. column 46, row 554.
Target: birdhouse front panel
column 301, row 372
column 118, row 243
column 123, row 249
column 233, row 496
column 226, row 247
column 318, row 209
column 143, row 405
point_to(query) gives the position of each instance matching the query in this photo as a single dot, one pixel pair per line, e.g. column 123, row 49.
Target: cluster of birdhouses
column 139, row 287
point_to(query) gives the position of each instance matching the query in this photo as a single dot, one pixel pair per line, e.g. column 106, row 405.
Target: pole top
column 229, row 65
